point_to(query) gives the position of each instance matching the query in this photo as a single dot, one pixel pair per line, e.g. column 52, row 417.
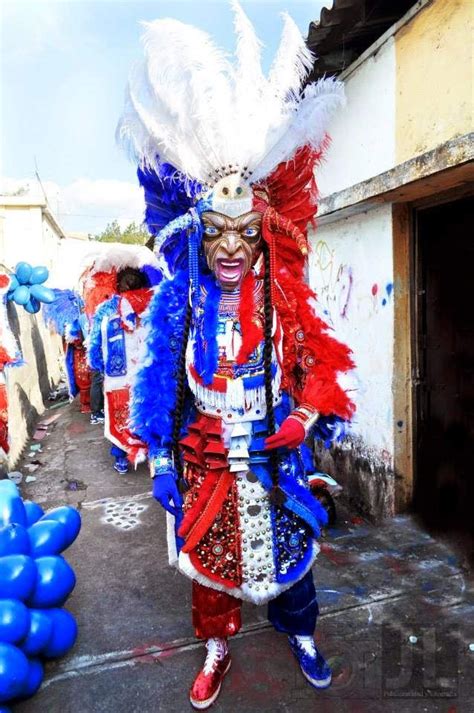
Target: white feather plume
column 293, row 61
column 189, row 105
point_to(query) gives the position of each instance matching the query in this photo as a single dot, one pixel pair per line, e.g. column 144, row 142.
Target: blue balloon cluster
column 35, row 581
column 27, row 288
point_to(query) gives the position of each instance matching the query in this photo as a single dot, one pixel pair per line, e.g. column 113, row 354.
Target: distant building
column 28, row 231
column 393, row 253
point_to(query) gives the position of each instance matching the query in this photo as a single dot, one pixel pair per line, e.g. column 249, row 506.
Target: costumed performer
column 239, row 369
column 115, row 343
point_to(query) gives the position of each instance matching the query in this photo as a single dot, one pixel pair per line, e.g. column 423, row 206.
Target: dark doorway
column 444, row 482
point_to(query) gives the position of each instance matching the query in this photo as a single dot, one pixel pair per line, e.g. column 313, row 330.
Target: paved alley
column 396, row 618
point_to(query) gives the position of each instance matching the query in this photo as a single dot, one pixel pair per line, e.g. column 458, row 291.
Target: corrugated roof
column 345, row 31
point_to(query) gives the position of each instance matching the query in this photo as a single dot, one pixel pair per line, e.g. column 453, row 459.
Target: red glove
column 290, row 435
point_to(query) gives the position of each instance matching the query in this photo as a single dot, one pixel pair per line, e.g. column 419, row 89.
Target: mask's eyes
column 251, row 232
column 211, row 231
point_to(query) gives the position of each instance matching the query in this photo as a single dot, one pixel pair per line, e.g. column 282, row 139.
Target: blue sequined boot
column 312, row 664
column 121, row 464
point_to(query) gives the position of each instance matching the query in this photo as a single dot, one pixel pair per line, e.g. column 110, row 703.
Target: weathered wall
column 434, row 75
column 27, row 236
column 363, row 134
column 351, row 270
column 29, row 385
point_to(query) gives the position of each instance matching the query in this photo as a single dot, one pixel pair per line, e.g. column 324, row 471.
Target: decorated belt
column 220, row 383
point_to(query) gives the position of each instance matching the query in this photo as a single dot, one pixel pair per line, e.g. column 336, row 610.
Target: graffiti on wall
column 334, row 285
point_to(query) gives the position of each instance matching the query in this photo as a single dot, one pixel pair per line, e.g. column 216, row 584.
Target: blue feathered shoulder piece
column 154, row 389
column 95, row 355
column 64, row 311
column 168, row 195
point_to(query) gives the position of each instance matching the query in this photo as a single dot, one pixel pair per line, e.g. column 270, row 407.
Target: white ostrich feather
column 306, row 124
column 293, row 61
column 118, row 256
column 190, row 105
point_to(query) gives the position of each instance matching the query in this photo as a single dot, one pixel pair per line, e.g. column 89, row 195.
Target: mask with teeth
column 231, row 245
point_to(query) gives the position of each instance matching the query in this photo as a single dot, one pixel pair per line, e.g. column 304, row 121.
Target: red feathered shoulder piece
column 312, row 358
column 97, row 288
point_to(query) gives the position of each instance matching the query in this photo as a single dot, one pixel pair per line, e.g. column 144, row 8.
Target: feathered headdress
column 98, row 281
column 188, row 105
column 222, row 131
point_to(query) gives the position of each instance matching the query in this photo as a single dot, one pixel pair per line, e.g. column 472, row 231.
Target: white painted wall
column 351, row 270
column 28, row 235
column 70, row 263
column 363, row 134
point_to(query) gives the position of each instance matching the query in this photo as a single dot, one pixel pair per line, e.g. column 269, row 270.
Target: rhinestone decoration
column 257, row 534
column 292, row 538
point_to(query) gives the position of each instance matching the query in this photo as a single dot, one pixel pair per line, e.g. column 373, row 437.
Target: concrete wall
column 363, row 134
column 29, row 385
column 411, row 92
column 434, row 77
column 28, row 236
column 408, row 94
column 351, row 270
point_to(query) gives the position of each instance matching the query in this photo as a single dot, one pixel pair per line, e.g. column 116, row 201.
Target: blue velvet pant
column 218, row 614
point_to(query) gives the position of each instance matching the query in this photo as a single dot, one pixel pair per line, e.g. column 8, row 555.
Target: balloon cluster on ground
column 35, row 582
column 27, row 289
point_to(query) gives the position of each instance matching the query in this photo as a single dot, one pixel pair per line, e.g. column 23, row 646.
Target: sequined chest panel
column 237, row 392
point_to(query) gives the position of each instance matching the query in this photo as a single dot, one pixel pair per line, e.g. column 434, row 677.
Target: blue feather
column 330, row 429
column 205, row 348
column 154, row 392
column 168, row 195
column 64, row 311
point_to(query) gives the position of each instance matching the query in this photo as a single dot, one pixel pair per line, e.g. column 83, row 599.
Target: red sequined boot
column 208, row 682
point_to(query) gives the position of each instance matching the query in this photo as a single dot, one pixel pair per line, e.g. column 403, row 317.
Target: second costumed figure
column 239, row 369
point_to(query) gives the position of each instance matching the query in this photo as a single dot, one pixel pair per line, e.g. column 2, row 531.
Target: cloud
column 86, row 205
column 31, row 28
column 100, row 202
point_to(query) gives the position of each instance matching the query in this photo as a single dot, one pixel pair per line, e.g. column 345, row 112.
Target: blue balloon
column 33, row 512
column 5, row 709
column 34, row 678
column 47, row 537
column 14, row 620
column 14, row 540
column 69, row 517
column 42, row 293
column 55, row 582
column 23, row 272
column 8, row 486
column 33, row 305
column 11, row 508
column 39, row 634
column 21, row 295
column 14, row 670
column 39, row 275
column 64, row 633
column 18, row 577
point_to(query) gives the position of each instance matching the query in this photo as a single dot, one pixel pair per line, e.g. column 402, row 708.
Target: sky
column 64, row 67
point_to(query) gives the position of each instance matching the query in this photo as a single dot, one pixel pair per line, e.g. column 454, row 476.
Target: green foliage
column 132, row 234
